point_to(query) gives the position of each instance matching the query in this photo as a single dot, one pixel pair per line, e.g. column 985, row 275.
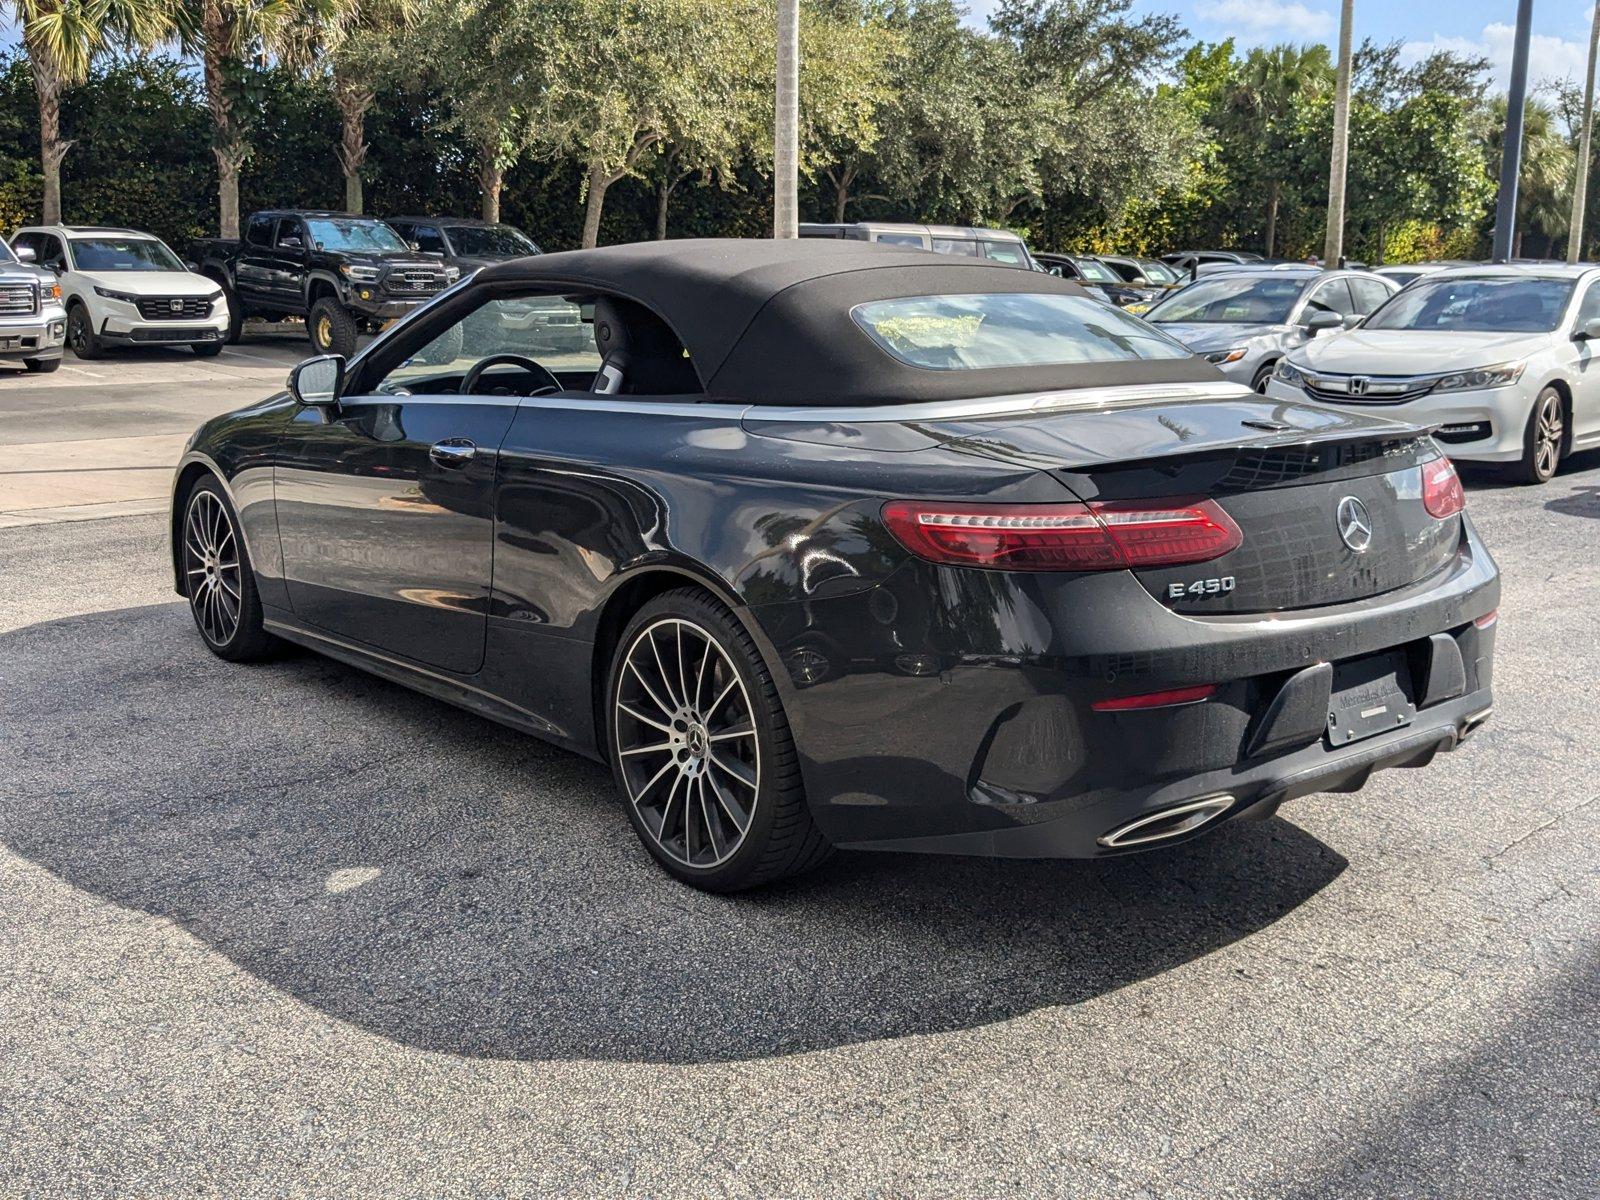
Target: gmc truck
column 343, row 274
column 33, row 325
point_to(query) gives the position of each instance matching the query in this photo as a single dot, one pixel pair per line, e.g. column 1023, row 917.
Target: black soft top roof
column 768, row 321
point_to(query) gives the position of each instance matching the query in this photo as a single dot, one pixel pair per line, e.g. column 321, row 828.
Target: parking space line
column 81, row 371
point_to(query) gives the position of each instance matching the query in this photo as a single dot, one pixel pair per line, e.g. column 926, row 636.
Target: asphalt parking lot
column 290, row 930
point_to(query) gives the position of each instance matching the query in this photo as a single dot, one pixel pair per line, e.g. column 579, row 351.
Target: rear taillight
column 1441, row 489
column 1100, row 536
column 1167, row 699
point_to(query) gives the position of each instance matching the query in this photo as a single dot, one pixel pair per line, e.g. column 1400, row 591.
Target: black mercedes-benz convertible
column 827, row 544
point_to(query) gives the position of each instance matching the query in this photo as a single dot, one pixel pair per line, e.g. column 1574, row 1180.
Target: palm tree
column 1273, row 82
column 62, row 38
column 220, row 33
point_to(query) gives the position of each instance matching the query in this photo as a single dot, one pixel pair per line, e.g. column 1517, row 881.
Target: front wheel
column 85, row 342
column 702, row 751
column 332, row 329
column 206, row 349
column 217, row 576
column 1543, row 440
column 1263, row 377
column 42, row 366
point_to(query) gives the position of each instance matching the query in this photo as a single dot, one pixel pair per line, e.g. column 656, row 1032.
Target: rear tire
column 1543, row 440
column 85, row 342
column 42, row 366
column 217, row 576
column 332, row 329
column 701, row 749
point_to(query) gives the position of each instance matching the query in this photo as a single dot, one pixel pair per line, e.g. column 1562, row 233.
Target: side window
column 1368, row 293
column 260, row 231
column 291, row 234
column 427, row 239
column 1009, row 253
column 900, row 239
column 548, row 329
column 1332, row 296
column 961, row 246
column 1589, row 307
column 51, row 253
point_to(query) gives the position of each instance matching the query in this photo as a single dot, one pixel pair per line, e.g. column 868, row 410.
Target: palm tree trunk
column 491, row 177
column 599, row 180
column 353, row 102
column 1274, row 190
column 227, row 144
column 52, row 149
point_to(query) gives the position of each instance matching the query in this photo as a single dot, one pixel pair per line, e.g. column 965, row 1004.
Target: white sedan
column 1504, row 360
column 126, row 288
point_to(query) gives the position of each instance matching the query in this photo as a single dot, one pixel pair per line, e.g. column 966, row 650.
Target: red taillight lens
column 1188, row 695
column 1101, row 536
column 1441, row 489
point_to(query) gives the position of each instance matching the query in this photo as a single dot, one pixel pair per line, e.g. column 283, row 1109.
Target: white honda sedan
column 1505, row 360
column 122, row 287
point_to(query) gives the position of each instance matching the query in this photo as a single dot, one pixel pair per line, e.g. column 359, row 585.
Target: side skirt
column 437, row 684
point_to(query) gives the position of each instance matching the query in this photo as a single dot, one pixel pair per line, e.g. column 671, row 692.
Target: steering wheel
column 470, row 384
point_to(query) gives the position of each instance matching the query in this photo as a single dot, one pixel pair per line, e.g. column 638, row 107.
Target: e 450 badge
column 1220, row 586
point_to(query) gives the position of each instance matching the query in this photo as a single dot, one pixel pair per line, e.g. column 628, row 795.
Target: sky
column 1559, row 48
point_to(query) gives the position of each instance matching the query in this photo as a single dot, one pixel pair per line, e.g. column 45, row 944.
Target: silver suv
column 1244, row 319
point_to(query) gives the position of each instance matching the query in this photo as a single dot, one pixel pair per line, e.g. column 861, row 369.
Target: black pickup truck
column 343, row 274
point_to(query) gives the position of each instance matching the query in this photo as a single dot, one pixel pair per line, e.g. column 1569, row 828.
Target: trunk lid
column 1291, row 476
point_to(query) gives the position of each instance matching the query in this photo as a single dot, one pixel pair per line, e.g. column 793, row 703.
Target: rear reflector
column 1188, row 695
column 1100, row 536
column 1441, row 489
column 1488, row 619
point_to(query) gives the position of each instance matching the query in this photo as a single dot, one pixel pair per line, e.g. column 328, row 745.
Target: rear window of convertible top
column 1008, row 329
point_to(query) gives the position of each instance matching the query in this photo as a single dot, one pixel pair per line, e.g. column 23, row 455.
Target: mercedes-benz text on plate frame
column 828, row 545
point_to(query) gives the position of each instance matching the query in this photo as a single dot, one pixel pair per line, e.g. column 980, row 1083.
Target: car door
column 1584, row 355
column 252, row 270
column 386, row 507
column 291, row 252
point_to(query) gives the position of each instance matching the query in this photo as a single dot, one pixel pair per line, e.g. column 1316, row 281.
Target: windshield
column 1097, row 271
column 337, row 233
column 1231, row 301
column 490, row 241
column 1021, row 329
column 1158, row 272
column 123, row 254
column 1477, row 305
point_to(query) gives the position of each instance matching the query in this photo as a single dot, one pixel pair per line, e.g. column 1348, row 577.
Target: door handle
column 452, row 452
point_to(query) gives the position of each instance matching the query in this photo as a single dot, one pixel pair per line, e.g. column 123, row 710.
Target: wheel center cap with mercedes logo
column 1355, row 525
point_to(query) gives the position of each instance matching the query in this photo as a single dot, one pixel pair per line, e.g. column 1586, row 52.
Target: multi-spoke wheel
column 1544, row 440
column 217, row 577
column 702, row 751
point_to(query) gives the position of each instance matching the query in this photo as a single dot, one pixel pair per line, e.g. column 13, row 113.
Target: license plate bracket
column 1370, row 695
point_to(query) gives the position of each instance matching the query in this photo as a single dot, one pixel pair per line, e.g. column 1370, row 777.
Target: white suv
column 1504, row 360
column 125, row 288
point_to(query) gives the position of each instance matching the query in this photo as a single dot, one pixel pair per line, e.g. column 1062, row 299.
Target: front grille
column 18, row 299
column 414, row 281
column 173, row 335
column 174, row 308
column 1378, row 390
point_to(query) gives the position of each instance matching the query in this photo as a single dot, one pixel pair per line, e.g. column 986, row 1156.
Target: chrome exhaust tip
column 1472, row 721
column 1168, row 823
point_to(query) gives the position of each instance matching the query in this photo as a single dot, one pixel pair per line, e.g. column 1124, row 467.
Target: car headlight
column 1500, row 375
column 1226, row 356
column 215, row 296
column 359, row 273
column 53, row 292
column 1289, row 373
column 110, row 295
column 451, row 274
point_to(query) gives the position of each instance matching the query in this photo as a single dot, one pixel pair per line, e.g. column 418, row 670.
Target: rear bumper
column 952, row 711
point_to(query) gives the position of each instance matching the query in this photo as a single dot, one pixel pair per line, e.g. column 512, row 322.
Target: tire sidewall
column 1528, row 468
column 722, row 625
column 86, row 344
column 248, row 634
column 342, row 331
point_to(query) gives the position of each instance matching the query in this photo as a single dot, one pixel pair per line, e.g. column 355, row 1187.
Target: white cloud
column 1253, row 22
column 1549, row 58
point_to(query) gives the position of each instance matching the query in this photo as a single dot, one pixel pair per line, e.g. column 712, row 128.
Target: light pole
column 1333, row 245
column 786, row 124
column 1580, row 181
column 1505, row 213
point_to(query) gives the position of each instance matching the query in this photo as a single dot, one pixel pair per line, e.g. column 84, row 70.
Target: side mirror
column 1056, row 271
column 411, row 245
column 25, row 254
column 1319, row 322
column 1588, row 331
column 291, row 243
column 1354, row 319
column 316, row 382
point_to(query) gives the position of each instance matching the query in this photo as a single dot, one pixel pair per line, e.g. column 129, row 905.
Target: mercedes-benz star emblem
column 1355, row 526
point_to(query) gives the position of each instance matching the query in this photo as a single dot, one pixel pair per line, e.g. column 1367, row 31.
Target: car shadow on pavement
column 454, row 886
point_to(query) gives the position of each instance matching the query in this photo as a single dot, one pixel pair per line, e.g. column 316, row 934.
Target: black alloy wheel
column 81, row 336
column 702, row 751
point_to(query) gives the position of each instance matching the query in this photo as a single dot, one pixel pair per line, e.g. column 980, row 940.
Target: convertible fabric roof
column 768, row 321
